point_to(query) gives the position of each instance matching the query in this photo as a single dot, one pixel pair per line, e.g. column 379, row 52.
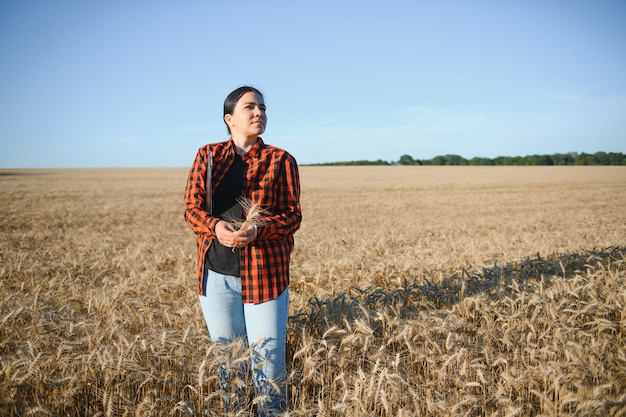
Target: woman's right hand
column 225, row 233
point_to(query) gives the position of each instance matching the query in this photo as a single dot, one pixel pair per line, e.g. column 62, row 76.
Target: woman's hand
column 230, row 237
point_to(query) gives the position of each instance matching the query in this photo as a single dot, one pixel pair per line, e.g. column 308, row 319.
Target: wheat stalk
column 254, row 214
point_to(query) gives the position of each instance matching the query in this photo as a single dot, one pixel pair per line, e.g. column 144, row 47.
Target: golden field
column 416, row 291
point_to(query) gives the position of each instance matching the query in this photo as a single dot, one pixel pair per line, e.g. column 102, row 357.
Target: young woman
column 243, row 269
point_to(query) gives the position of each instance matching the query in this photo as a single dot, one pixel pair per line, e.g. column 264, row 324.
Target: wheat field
column 415, row 291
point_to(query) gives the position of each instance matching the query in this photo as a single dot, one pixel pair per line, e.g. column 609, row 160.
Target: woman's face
column 248, row 118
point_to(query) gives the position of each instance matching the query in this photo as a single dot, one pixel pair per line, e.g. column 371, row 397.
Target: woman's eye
column 252, row 106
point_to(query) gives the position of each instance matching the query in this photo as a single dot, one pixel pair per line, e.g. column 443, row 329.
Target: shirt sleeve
column 196, row 215
column 286, row 216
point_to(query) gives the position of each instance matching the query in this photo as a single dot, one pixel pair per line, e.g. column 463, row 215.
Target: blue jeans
column 263, row 326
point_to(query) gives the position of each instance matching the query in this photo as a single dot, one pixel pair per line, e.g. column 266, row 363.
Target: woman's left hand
column 244, row 236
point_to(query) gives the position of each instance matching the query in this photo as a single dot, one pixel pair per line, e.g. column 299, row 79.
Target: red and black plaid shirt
column 272, row 180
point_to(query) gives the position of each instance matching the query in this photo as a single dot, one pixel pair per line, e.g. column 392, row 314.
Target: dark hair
column 233, row 98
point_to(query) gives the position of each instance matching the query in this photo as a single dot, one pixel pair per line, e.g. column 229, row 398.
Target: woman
column 243, row 270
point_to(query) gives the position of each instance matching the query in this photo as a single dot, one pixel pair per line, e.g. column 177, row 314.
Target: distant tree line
column 360, row 162
column 572, row 158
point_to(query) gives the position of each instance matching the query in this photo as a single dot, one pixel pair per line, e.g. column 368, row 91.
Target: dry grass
column 416, row 291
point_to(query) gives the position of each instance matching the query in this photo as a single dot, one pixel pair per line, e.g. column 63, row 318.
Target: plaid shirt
column 272, row 180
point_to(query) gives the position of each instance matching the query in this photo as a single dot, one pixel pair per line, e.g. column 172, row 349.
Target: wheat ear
column 254, row 215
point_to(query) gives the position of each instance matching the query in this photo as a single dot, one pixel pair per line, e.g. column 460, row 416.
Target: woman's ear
column 227, row 119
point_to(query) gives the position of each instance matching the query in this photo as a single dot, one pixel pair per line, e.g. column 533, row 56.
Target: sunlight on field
column 416, row 291
column 381, row 225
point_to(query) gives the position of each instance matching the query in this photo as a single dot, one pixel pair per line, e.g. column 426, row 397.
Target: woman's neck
column 244, row 144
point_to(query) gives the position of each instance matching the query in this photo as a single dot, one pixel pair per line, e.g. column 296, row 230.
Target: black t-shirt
column 220, row 258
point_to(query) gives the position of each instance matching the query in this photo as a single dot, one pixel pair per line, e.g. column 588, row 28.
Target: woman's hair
column 233, row 98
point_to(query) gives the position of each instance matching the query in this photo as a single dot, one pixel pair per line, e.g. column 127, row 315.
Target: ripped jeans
column 263, row 326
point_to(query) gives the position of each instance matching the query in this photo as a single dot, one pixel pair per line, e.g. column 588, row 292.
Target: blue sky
column 142, row 83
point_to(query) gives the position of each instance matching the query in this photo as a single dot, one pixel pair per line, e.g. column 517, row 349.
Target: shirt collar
column 254, row 152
